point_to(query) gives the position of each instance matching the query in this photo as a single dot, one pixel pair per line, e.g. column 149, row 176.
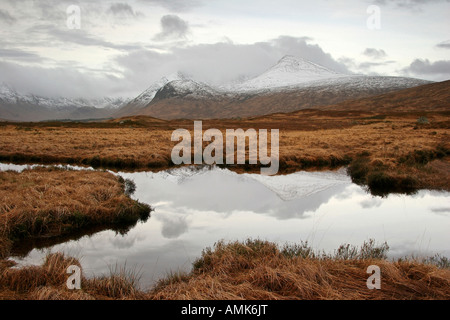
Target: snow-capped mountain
column 29, row 107
column 289, row 71
column 176, row 86
column 186, row 88
column 147, row 96
column 10, row 95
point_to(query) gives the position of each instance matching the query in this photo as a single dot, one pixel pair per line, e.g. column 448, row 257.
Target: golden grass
column 50, row 202
column 307, row 135
column 309, row 140
column 250, row 270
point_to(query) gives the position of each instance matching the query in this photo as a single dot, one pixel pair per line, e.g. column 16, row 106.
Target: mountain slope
column 429, row 97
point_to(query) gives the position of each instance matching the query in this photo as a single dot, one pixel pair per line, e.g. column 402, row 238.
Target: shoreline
column 420, row 170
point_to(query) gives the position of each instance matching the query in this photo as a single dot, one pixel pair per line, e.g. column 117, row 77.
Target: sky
column 79, row 48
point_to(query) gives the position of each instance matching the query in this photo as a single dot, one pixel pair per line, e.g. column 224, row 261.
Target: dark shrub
column 380, row 183
column 358, row 170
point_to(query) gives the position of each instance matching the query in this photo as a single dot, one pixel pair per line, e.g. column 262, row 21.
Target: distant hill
column 15, row 106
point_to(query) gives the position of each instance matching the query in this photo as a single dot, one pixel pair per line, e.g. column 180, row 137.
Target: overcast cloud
column 124, row 46
column 6, row 18
column 123, row 10
column 444, row 45
column 173, row 27
column 424, row 68
column 410, row 4
column 375, row 53
column 176, row 5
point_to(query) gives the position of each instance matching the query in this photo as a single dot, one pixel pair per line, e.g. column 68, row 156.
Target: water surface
column 194, row 208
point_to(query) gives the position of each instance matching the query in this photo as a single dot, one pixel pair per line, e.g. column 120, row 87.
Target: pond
column 196, row 207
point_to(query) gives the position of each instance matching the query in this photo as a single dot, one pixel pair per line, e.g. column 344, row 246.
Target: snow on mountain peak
column 289, row 71
column 176, row 76
column 147, row 96
column 291, row 64
column 185, row 88
column 7, row 93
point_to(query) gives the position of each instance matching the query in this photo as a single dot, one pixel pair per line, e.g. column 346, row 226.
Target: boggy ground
column 250, row 270
column 389, row 151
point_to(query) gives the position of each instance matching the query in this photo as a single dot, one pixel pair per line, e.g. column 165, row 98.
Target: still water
column 194, row 208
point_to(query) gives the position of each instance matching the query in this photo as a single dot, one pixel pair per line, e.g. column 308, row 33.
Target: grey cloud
column 49, row 10
column 6, row 17
column 441, row 210
column 368, row 65
column 173, row 227
column 173, row 27
column 80, row 37
column 425, row 67
column 124, row 242
column 444, row 212
column 123, row 10
column 444, row 45
column 371, row 203
column 409, row 4
column 375, row 53
column 176, row 5
column 364, row 67
column 67, row 81
column 14, row 54
column 302, row 48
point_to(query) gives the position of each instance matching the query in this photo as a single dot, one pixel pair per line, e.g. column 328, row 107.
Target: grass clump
column 369, row 250
column 130, row 187
column 121, row 283
column 423, row 120
column 302, row 250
